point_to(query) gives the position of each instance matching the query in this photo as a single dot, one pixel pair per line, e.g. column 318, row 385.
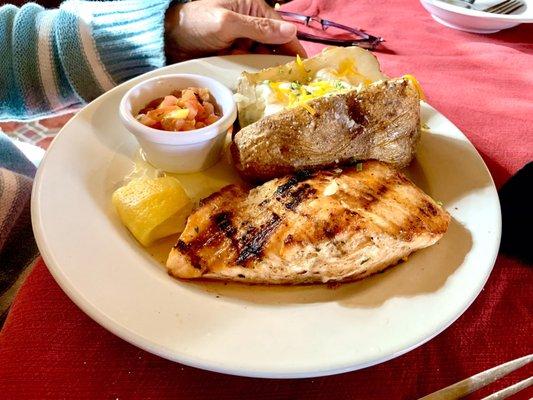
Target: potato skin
column 380, row 122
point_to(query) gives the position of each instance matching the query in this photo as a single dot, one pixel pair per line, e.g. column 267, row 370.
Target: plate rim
column 171, row 354
column 518, row 18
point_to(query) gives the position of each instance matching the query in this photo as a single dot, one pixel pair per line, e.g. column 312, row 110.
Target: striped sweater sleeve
column 53, row 59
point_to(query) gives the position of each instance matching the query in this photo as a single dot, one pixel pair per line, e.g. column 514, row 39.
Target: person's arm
column 53, row 59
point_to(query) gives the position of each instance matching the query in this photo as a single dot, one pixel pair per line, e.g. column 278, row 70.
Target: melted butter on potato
column 296, row 83
column 275, row 96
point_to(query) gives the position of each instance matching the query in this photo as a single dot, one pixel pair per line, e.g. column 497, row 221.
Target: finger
column 286, row 50
column 292, row 48
column 263, row 30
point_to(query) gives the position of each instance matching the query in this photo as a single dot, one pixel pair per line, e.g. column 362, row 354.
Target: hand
column 207, row 27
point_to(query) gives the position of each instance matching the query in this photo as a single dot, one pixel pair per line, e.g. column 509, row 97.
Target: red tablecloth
column 484, row 84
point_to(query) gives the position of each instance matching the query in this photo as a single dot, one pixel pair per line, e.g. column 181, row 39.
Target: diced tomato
column 146, row 120
column 212, row 119
column 188, row 125
column 209, row 108
column 193, row 107
column 168, row 124
column 178, row 125
column 156, row 114
column 203, row 93
column 183, row 110
column 157, row 125
column 188, row 94
column 168, row 101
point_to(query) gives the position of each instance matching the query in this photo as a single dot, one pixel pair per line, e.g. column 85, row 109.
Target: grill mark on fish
column 295, row 190
column 296, row 196
column 191, row 249
column 181, row 246
column 298, row 177
column 213, row 235
column 264, row 202
column 373, row 193
column 343, row 220
column 371, row 197
column 184, row 248
column 331, row 231
column 248, row 247
column 382, row 189
column 252, row 244
column 428, row 209
column 223, row 222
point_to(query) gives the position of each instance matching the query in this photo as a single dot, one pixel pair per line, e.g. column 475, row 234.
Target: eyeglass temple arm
column 369, row 44
column 326, row 23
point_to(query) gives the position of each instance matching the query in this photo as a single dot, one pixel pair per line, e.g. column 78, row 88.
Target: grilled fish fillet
column 324, row 226
column 380, row 122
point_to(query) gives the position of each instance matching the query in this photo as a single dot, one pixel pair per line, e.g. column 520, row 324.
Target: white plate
column 256, row 331
column 473, row 20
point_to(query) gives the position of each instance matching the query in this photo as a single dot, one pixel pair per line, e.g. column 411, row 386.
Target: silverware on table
column 505, row 7
column 475, row 382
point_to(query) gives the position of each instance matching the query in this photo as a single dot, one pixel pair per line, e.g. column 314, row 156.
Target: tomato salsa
column 182, row 110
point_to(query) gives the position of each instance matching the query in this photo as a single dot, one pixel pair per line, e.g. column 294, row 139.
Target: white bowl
column 473, row 20
column 180, row 152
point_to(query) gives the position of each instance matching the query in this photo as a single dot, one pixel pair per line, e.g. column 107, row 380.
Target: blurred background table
column 38, row 133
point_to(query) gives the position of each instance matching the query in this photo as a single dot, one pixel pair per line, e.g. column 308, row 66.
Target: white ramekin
column 180, row 152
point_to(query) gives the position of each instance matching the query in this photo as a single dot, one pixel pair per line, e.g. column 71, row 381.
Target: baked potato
column 331, row 109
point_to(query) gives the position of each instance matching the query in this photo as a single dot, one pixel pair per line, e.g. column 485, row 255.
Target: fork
column 505, row 7
column 475, row 382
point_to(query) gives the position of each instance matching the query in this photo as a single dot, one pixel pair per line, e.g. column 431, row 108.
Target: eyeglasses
column 362, row 38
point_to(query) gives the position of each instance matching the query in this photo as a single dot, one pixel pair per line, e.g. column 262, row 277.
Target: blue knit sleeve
column 53, row 59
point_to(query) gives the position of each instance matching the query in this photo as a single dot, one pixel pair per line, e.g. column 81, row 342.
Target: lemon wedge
column 152, row 208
